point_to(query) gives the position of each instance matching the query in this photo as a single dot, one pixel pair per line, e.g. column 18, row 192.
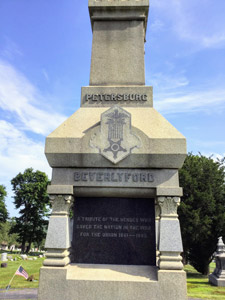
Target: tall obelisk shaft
column 118, row 42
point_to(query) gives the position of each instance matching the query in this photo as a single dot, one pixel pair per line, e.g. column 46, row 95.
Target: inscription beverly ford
column 111, row 176
column 114, row 177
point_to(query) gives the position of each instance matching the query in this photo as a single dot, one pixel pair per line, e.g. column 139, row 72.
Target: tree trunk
column 28, row 247
column 23, row 246
column 206, row 270
column 184, row 259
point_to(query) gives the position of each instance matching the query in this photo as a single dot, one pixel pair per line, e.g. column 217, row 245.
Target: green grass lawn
column 197, row 284
column 31, row 267
column 199, row 287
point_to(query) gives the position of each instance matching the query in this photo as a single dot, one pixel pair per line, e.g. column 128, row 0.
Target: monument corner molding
column 168, row 206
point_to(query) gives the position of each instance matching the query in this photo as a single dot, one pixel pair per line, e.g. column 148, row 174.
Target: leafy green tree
column 31, row 198
column 3, row 210
column 202, row 210
column 5, row 236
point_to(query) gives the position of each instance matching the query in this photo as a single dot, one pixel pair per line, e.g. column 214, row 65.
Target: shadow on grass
column 199, row 283
column 219, row 293
column 196, row 275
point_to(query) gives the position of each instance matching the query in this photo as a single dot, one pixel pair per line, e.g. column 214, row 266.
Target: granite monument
column 115, row 163
column 218, row 276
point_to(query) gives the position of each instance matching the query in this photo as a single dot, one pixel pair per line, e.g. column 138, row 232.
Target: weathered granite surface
column 95, row 282
column 162, row 146
column 115, row 146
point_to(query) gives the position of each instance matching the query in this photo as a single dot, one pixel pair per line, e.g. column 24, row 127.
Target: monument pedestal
column 217, row 280
column 111, row 282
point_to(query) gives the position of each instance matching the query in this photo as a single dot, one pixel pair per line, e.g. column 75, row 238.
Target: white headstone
column 12, row 248
column 4, row 257
column 23, row 256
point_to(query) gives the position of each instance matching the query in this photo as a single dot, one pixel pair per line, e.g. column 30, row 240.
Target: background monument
column 218, row 276
column 115, row 161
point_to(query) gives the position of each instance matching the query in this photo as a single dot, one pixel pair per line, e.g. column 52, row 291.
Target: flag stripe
column 21, row 272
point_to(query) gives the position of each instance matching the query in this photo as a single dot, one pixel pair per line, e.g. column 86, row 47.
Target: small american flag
column 21, row 272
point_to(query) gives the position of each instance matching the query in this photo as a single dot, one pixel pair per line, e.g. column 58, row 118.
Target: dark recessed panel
column 114, row 231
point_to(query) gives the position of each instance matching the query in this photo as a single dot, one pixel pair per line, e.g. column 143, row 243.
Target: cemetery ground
column 197, row 284
column 32, row 267
column 199, row 287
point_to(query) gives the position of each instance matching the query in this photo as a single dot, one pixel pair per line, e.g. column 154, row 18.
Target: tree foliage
column 202, row 211
column 31, row 199
column 3, row 210
column 5, row 236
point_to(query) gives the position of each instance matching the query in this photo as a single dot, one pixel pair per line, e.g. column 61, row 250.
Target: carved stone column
column 58, row 242
column 157, row 223
column 170, row 243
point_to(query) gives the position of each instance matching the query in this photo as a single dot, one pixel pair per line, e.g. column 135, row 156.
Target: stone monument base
column 217, row 281
column 111, row 282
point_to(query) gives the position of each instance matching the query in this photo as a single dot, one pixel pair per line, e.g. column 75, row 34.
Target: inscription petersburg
column 116, row 97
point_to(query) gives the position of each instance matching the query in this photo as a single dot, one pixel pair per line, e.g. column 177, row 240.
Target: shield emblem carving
column 115, row 140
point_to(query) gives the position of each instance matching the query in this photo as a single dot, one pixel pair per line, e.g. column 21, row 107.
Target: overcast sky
column 45, row 52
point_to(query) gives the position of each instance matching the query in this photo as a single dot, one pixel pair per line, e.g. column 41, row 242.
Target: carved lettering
column 135, row 178
column 113, row 179
column 84, row 176
column 116, row 97
column 132, row 97
column 107, row 97
column 88, row 97
column 92, row 176
column 127, row 176
column 138, row 97
column 120, row 175
column 101, row 97
column 107, row 177
column 113, row 97
column 112, row 176
column 125, row 97
column 143, row 177
column 95, row 98
column 114, row 225
column 77, row 176
column 150, row 177
column 144, row 97
column 119, row 97
column 138, row 228
column 99, row 177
